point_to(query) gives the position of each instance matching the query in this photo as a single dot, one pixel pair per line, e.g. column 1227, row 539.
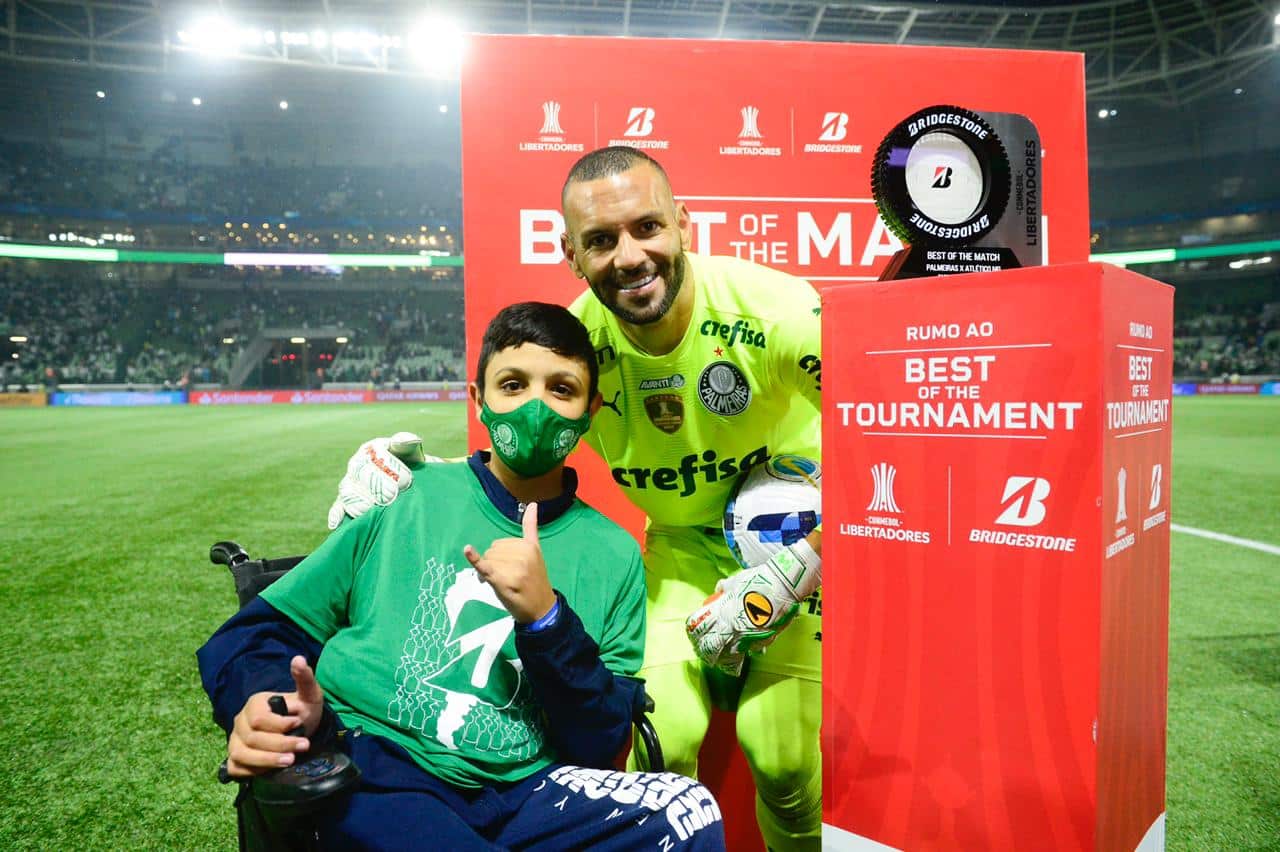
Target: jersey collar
column 511, row 508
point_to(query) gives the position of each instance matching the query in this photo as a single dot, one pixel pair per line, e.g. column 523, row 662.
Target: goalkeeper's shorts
column 682, row 567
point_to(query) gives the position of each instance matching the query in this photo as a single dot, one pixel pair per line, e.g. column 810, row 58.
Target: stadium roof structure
column 1169, row 53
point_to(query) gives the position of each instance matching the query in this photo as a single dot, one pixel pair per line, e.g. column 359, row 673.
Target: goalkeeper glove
column 376, row 475
column 750, row 608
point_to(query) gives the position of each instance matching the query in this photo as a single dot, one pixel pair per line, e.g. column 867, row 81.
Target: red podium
column 996, row 489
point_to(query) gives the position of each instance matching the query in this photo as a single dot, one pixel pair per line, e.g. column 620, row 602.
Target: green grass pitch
column 106, row 591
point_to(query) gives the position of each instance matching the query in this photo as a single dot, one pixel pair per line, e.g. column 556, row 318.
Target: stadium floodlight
column 210, row 33
column 297, row 340
column 437, row 44
column 339, row 340
column 17, row 338
column 1102, row 113
column 101, row 94
column 196, row 101
column 444, row 108
column 228, row 340
column 284, row 105
column 361, row 40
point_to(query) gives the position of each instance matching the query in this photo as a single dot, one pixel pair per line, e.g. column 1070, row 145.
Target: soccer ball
column 775, row 505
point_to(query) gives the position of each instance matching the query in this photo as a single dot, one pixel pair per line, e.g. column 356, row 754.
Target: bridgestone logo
column 947, row 232
column 826, row 148
column 1027, row 540
column 656, row 144
column 947, row 118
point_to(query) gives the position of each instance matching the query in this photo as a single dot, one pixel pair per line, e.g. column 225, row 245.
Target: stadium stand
column 143, row 169
column 113, row 329
column 1225, row 330
column 166, row 202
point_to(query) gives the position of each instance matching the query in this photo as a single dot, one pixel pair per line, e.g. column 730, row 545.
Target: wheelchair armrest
column 654, row 761
column 648, row 736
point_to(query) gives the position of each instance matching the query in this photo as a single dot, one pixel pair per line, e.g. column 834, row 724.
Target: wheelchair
column 273, row 810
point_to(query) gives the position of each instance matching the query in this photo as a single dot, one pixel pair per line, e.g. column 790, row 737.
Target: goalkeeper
column 709, row 365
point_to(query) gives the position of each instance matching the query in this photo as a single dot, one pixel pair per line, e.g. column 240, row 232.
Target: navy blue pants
column 399, row 806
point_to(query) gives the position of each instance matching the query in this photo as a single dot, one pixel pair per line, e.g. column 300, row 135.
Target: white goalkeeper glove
column 376, row 475
column 750, row 608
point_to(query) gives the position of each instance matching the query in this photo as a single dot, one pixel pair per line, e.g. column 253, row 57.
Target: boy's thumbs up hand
column 514, row 567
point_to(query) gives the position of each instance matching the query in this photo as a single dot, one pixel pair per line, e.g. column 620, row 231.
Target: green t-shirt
column 419, row 650
column 743, row 384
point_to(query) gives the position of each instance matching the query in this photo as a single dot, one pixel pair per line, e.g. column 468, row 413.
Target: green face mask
column 533, row 438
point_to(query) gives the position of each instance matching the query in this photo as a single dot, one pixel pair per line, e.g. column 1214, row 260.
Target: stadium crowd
column 122, row 330
column 80, row 329
column 118, row 330
column 165, row 201
column 1218, row 345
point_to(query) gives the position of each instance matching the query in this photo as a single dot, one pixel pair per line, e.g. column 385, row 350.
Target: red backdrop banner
column 769, row 144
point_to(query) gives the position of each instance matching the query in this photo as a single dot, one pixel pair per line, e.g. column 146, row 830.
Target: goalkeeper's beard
column 672, row 274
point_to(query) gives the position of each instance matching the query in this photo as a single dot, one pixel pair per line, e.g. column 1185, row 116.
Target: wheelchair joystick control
column 314, row 778
column 280, row 708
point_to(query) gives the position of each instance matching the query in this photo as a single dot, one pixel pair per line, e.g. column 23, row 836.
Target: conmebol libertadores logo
column 551, row 134
column 750, row 137
column 882, row 476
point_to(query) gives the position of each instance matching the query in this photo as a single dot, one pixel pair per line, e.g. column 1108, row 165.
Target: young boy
column 483, row 631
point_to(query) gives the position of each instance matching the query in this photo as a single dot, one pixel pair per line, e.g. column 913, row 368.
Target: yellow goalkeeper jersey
column 742, row 385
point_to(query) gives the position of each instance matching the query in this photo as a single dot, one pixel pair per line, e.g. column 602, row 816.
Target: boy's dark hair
column 604, row 162
column 549, row 326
